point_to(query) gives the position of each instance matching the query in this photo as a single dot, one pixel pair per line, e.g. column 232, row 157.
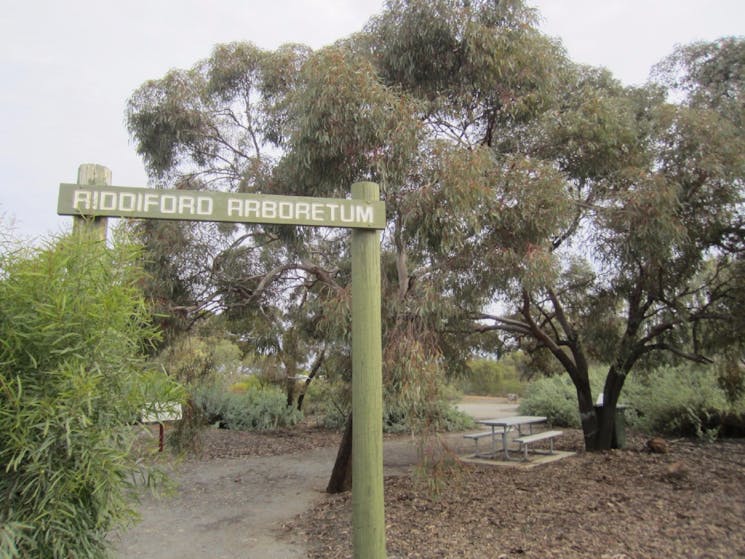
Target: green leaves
column 224, row 114
column 509, row 173
column 708, row 75
column 72, row 379
column 348, row 127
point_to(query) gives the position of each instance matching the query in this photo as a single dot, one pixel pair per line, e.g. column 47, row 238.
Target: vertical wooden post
column 92, row 174
column 368, row 515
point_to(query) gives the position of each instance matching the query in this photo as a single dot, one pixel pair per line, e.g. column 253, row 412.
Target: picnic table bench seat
column 476, row 436
column 535, row 437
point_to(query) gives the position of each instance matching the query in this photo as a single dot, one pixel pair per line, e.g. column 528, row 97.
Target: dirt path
column 230, row 508
column 235, row 507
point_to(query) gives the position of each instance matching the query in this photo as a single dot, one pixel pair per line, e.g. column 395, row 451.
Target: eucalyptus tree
column 296, row 122
column 222, row 125
column 711, row 75
column 644, row 266
column 596, row 216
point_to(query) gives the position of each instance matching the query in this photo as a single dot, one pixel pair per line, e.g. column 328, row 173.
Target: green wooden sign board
column 90, row 200
column 193, row 205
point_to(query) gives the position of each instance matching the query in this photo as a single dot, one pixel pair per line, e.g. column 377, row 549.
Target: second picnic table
column 507, row 424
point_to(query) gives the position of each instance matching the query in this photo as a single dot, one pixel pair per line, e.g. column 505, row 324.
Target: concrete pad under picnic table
column 516, row 461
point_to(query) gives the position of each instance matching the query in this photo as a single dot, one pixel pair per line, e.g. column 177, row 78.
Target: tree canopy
column 531, row 201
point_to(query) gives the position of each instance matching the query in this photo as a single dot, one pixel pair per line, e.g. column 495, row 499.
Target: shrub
column 451, row 418
column 487, row 377
column 73, row 327
column 256, row 409
column 683, row 400
column 330, row 400
column 252, row 382
column 437, row 416
column 554, row 397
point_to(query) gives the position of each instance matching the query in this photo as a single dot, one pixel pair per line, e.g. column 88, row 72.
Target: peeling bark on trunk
column 341, row 475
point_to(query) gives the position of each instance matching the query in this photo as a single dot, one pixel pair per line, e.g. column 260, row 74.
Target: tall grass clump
column 73, row 330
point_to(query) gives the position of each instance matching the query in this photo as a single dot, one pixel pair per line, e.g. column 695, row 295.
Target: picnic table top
column 513, row 420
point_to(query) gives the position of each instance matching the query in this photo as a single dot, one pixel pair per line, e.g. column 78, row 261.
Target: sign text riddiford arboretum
column 118, row 201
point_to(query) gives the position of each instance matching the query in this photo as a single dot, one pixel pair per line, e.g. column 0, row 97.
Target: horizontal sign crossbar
column 195, row 205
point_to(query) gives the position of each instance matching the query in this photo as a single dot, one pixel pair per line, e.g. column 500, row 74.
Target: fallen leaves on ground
column 224, row 443
column 618, row 504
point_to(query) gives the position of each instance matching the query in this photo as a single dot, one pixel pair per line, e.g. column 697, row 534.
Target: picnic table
column 508, row 424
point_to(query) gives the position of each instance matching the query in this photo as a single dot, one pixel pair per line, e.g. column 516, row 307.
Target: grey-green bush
column 555, row 397
column 73, row 326
column 488, row 377
column 329, row 401
column 256, row 409
column 684, row 400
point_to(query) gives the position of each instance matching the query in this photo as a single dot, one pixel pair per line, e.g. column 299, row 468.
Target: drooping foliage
column 74, row 329
column 602, row 221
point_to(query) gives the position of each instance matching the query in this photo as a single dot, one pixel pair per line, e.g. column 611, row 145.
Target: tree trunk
column 288, row 355
column 290, row 388
column 605, row 439
column 302, row 396
column 314, row 370
column 606, row 414
column 587, row 415
column 341, row 475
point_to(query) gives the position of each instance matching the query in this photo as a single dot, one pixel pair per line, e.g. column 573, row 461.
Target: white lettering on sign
column 215, row 206
column 364, row 214
column 299, row 211
column 126, row 202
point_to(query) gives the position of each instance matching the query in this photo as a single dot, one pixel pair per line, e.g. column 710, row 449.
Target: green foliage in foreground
column 686, row 400
column 257, row 409
column 73, row 327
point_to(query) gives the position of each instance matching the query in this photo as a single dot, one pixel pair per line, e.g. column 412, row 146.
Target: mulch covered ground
column 222, row 443
column 689, row 502
column 621, row 504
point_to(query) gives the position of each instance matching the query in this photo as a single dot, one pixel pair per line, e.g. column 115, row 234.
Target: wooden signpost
column 93, row 199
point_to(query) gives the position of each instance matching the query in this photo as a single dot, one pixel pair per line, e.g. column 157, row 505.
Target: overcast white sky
column 69, row 66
